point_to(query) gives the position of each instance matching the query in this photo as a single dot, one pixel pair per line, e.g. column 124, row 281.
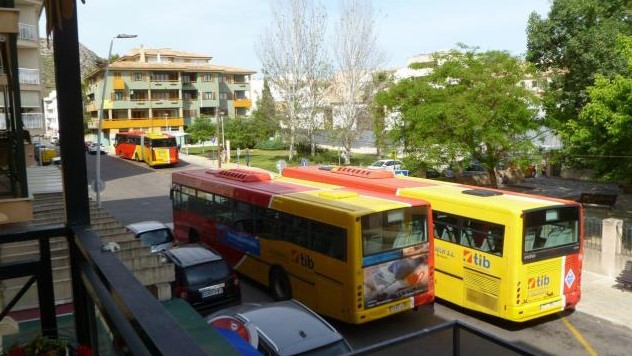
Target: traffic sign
column 100, row 186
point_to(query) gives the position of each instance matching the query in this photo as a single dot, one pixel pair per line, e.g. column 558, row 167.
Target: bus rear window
column 550, row 228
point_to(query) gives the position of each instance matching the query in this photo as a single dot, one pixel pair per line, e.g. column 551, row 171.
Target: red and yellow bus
column 155, row 149
column 511, row 255
column 351, row 255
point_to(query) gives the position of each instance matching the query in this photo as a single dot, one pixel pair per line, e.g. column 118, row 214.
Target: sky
column 227, row 30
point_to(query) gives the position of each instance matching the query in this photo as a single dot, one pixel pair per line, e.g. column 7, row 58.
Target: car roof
column 289, row 325
column 191, row 255
column 144, row 226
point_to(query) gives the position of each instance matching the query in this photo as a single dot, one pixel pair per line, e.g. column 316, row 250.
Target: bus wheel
column 280, row 284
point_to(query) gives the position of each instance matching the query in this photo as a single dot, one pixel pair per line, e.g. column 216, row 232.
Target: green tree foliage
column 265, row 121
column 242, row 132
column 604, row 127
column 573, row 44
column 202, row 129
column 470, row 106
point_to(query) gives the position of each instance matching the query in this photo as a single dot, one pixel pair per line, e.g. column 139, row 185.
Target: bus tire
column 280, row 286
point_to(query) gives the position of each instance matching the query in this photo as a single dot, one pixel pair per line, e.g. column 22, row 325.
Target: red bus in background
column 155, row 149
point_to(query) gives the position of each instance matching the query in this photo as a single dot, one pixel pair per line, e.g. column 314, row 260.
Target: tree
column 603, row 129
column 575, row 43
column 201, row 129
column 381, row 80
column 356, row 58
column 470, row 106
column 265, row 123
column 291, row 55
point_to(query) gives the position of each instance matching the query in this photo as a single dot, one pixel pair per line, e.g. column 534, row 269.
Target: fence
column 593, row 228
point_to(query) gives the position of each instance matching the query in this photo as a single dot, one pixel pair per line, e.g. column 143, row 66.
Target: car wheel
column 280, row 284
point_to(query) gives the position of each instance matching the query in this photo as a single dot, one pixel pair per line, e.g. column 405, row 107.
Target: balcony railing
column 29, row 76
column 136, row 320
column 33, row 120
column 27, row 32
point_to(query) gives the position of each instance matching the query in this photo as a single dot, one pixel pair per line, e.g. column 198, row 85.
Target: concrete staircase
column 48, row 208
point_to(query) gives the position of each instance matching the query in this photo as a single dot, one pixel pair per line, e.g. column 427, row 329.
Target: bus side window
column 466, row 238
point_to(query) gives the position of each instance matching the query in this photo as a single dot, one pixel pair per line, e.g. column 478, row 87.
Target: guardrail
column 132, row 314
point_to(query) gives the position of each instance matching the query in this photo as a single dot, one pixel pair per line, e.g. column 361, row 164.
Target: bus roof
column 153, row 135
column 260, row 187
column 431, row 190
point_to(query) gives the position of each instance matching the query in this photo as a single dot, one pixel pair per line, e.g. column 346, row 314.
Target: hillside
column 88, row 60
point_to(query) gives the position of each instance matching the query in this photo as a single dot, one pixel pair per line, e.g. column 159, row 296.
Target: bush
column 275, row 144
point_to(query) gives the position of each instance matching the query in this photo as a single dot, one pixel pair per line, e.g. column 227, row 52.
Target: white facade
column 51, row 119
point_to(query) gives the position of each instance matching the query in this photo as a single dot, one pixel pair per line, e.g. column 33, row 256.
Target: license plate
column 399, row 307
column 211, row 291
column 550, row 305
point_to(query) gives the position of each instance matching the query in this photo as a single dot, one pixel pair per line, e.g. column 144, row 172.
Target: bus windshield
column 551, row 228
column 392, row 229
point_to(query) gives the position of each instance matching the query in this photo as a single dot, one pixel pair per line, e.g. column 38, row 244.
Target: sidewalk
column 602, row 299
column 600, row 296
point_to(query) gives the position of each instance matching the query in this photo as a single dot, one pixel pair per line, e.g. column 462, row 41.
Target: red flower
column 84, row 350
column 17, row 351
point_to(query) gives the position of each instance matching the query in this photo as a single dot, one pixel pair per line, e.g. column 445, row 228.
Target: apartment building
column 163, row 90
column 28, row 59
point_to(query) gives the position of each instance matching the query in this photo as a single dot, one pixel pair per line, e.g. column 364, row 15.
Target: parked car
column 93, row 147
column 156, row 235
column 202, row 278
column 388, row 164
column 281, row 328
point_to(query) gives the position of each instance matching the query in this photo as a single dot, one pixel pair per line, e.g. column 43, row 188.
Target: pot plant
column 41, row 345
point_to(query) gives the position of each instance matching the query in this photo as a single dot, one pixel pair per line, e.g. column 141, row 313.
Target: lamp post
column 167, row 122
column 98, row 185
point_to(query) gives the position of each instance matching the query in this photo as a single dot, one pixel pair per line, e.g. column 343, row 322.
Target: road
column 135, row 192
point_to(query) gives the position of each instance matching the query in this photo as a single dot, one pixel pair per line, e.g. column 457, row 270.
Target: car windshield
column 377, row 164
column 156, row 237
column 206, row 272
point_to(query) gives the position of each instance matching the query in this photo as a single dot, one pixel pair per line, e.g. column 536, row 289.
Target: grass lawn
column 267, row 159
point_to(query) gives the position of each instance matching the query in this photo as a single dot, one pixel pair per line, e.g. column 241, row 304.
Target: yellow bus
column 514, row 256
column 351, row 255
column 155, row 149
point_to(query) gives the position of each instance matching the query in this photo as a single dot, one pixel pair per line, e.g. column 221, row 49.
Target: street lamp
column 98, row 185
column 167, row 122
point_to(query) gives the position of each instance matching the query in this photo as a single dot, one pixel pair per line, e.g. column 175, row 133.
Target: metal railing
column 593, row 227
column 29, row 76
column 133, row 316
column 27, row 32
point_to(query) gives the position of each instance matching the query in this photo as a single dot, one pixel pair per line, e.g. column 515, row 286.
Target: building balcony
column 33, row 120
column 27, row 32
column 119, row 84
column 29, row 76
column 242, row 103
column 165, row 85
column 134, row 123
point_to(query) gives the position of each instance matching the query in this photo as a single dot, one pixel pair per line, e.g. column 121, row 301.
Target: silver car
column 156, row 235
column 281, row 328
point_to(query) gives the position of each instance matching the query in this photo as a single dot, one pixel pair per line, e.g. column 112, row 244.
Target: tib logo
column 538, row 282
column 303, row 260
column 475, row 259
